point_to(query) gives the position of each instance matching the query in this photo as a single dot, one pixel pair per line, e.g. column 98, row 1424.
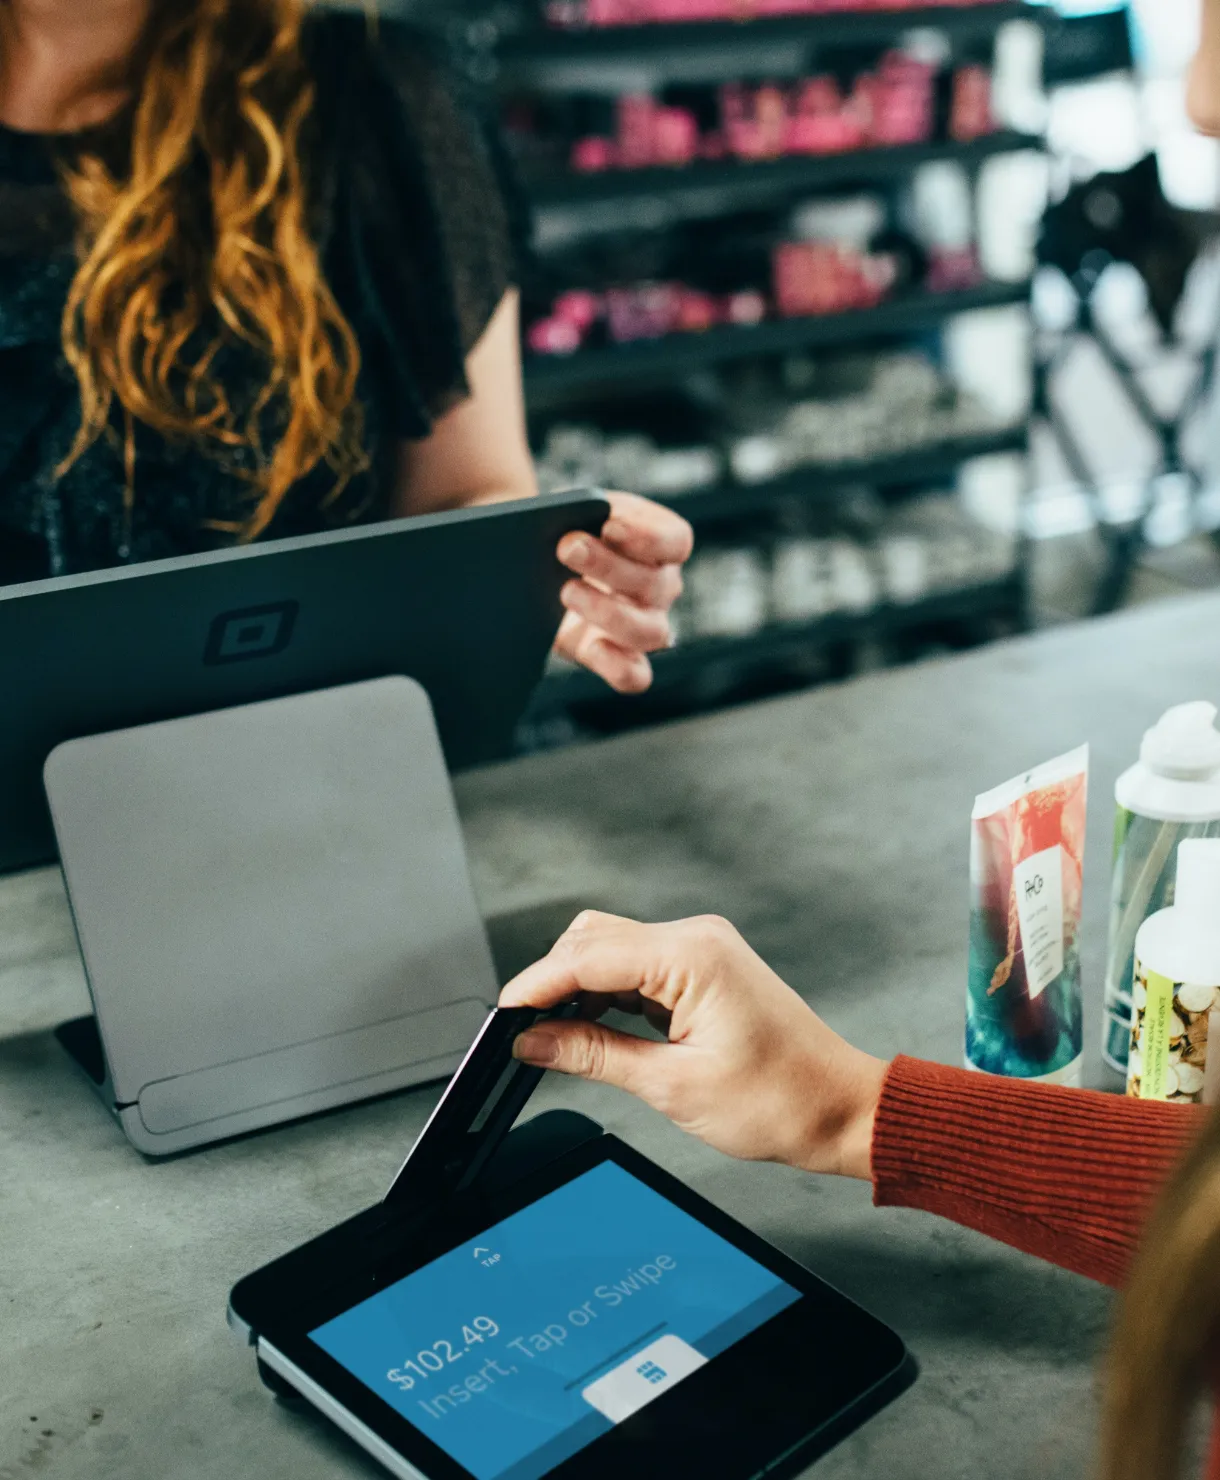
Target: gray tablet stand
column 274, row 911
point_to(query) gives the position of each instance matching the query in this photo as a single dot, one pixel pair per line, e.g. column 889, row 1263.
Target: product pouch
column 1023, row 1007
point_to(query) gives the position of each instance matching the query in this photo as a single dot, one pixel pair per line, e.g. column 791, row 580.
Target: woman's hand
column 618, row 609
column 748, row 1066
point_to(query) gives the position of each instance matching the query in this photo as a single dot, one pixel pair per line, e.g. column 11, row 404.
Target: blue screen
column 520, row 1347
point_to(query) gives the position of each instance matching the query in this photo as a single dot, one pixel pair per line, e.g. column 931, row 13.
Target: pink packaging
column 635, row 131
column 592, row 155
column 553, row 337
column 806, row 278
column 696, row 312
column 771, row 114
column 647, row 311
column 952, row 269
column 578, row 308
column 970, row 115
column 612, row 13
column 745, row 308
column 675, row 136
column 821, row 278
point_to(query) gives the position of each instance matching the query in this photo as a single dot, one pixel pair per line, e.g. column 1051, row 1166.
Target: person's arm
column 1064, row 1174
column 477, row 452
column 1068, row 1175
column 617, row 608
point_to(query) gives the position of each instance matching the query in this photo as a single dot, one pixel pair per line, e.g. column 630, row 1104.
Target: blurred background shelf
column 824, row 484
column 827, row 394
column 706, row 188
column 1001, row 601
column 681, row 354
column 604, row 56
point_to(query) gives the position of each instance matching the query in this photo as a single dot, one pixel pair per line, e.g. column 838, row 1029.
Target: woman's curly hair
column 200, row 242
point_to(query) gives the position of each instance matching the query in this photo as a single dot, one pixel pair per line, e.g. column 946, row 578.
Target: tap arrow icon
column 478, row 1253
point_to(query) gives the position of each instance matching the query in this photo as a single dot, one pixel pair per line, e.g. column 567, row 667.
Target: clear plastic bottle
column 1177, row 987
column 1172, row 793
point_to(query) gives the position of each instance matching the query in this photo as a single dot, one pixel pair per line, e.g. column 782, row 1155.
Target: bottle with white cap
column 1171, row 793
column 1177, row 987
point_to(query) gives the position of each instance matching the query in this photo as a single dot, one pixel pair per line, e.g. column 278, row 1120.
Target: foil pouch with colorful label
column 1023, row 1005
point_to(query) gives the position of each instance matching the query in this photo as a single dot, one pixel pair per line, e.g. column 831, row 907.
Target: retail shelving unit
column 613, row 60
column 825, row 483
column 682, row 354
column 564, row 59
column 708, row 188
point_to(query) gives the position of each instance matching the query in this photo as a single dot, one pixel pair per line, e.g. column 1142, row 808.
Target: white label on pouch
column 1038, row 881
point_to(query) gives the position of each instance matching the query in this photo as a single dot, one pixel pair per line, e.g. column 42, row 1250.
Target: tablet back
column 273, row 907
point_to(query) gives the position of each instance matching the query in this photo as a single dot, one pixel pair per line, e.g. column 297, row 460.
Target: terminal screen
column 517, row 1349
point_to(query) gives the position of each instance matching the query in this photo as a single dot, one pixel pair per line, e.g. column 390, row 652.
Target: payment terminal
column 551, row 1303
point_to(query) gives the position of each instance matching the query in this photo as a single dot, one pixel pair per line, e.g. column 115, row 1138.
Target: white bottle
column 1171, row 793
column 1177, row 986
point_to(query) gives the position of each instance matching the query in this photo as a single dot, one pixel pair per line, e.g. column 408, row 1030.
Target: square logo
column 257, row 632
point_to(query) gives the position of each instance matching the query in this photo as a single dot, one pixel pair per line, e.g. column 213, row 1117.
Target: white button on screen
column 637, row 1381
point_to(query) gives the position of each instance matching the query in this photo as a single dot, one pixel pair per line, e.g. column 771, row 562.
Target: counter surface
column 832, row 828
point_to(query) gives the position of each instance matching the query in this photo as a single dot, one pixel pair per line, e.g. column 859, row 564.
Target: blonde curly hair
column 202, row 241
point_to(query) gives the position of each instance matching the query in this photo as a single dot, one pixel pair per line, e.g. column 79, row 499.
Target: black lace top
column 416, row 234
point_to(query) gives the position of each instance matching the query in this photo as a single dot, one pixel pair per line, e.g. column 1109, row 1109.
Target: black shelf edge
column 681, row 354
column 999, row 598
column 737, row 181
column 821, row 483
column 533, row 56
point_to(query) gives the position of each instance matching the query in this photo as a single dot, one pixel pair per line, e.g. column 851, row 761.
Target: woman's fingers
column 627, row 671
column 629, row 578
column 603, row 955
column 646, row 532
column 638, row 629
column 646, row 584
column 591, row 1051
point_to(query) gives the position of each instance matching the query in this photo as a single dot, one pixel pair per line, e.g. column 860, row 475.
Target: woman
column 256, row 279
column 750, row 1069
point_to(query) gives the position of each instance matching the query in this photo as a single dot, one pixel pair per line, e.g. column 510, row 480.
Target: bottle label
column 1169, row 1032
column 1038, row 883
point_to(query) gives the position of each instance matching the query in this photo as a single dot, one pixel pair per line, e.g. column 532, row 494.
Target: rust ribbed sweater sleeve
column 1066, row 1174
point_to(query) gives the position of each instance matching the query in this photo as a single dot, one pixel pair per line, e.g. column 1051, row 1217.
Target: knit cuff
column 1065, row 1174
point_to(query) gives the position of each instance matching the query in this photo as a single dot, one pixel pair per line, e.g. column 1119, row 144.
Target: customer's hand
column 749, row 1068
column 618, row 609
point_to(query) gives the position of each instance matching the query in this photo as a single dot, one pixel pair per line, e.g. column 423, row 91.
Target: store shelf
column 704, row 188
column 1003, row 599
column 603, row 58
column 681, row 354
column 822, row 484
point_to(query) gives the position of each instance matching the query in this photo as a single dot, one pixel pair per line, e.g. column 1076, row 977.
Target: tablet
column 467, row 603
column 594, row 1319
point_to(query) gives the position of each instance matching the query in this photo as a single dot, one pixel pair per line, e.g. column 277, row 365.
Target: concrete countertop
column 833, row 829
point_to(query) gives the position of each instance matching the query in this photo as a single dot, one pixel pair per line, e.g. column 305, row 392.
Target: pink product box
column 970, row 114
column 643, row 12
column 647, row 312
column 951, row 271
column 893, row 105
column 651, row 311
column 821, row 278
column 640, row 311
